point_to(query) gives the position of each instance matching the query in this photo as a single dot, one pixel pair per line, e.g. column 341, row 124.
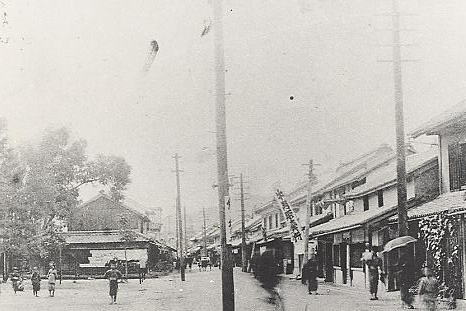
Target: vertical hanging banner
column 289, row 215
column 228, row 218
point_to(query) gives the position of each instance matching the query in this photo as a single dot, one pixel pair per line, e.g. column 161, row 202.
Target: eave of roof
column 450, row 202
column 349, row 222
column 450, row 116
column 385, row 183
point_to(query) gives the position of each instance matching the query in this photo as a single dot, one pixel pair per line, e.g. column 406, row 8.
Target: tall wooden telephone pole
column 185, row 230
column 308, row 209
column 399, row 119
column 228, row 292
column 204, row 229
column 244, row 261
column 396, row 45
column 179, row 218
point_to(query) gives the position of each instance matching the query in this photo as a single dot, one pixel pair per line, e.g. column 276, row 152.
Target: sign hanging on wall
column 289, row 215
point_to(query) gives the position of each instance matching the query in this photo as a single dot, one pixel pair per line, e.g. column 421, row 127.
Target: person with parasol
column 405, row 268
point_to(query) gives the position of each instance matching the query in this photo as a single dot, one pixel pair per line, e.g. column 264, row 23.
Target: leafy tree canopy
column 42, row 183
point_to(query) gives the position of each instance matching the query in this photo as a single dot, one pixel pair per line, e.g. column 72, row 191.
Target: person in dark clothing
column 406, row 270
column 253, row 264
column 267, row 270
column 35, row 280
column 428, row 289
column 310, row 274
column 373, row 263
column 113, row 275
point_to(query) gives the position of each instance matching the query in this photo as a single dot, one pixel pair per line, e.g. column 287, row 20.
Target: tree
column 127, row 236
column 49, row 177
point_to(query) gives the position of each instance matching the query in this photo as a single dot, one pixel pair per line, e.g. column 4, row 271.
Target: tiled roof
column 386, row 175
column 450, row 201
column 454, row 114
column 346, row 173
column 123, row 205
column 350, row 221
column 92, row 237
column 138, row 206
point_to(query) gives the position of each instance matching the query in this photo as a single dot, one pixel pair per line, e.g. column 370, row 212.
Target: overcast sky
column 80, row 64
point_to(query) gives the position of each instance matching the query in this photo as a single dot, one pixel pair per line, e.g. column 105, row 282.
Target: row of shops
column 357, row 205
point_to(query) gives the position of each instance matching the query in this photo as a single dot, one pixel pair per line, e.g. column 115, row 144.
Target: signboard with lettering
column 289, row 215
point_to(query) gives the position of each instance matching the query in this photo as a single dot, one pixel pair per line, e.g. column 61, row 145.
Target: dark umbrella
column 398, row 242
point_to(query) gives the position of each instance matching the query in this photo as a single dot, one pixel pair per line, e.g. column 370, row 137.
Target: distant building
column 103, row 213
column 96, row 235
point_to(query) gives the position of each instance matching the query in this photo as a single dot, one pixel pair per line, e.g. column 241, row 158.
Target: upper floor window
column 457, row 165
column 380, row 197
column 365, row 201
column 276, row 220
column 270, row 222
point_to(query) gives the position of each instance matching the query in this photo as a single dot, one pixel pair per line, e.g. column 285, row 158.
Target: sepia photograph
column 222, row 155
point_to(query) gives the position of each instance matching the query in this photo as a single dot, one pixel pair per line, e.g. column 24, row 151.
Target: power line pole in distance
column 244, row 262
column 308, row 213
column 178, row 214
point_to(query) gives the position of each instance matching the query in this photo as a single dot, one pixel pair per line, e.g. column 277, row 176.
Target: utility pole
column 204, row 228
column 308, row 210
column 179, row 219
column 185, row 232
column 228, row 292
column 400, row 132
column 176, row 233
column 244, row 262
column 399, row 118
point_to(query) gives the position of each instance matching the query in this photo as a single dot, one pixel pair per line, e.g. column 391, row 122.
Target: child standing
column 35, row 279
column 52, row 277
column 428, row 290
column 113, row 275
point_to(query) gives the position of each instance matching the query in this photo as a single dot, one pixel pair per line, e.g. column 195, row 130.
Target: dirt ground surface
column 200, row 292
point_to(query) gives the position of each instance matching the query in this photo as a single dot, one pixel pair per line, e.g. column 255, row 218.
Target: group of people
column 52, row 276
column 428, row 285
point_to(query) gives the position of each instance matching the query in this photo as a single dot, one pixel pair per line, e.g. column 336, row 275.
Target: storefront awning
column 349, row 222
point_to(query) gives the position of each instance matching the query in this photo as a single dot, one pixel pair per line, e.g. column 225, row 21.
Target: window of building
column 276, row 221
column 457, row 166
column 365, row 201
column 358, row 183
column 270, row 222
column 380, row 197
column 265, row 223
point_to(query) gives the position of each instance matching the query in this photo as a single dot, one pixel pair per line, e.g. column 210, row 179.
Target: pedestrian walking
column 406, row 271
column 35, row 279
column 253, row 264
column 52, row 278
column 267, row 270
column 428, row 290
column 374, row 263
column 15, row 278
column 113, row 275
column 310, row 274
column 142, row 270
